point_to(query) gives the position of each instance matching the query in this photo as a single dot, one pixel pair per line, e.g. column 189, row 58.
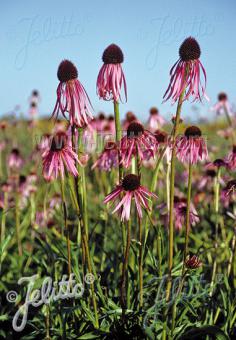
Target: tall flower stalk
column 17, row 219
column 124, row 268
column 4, row 213
column 118, row 135
column 110, row 81
column 73, row 100
column 187, row 228
column 172, row 189
column 65, row 215
column 184, row 83
column 83, row 213
column 140, row 262
column 216, row 210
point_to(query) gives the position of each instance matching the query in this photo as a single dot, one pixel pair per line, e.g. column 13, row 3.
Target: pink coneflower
column 161, row 137
column 155, row 120
column 222, row 104
column 99, row 122
column 33, row 110
column 229, row 190
column 108, row 158
column 137, row 141
column 111, row 77
column 124, row 193
column 6, row 187
column 217, row 164
column 35, row 97
column 59, row 155
column 226, row 133
column 45, row 142
column 180, row 210
column 111, row 126
column 129, row 118
column 191, row 147
column 161, row 142
column 231, row 159
column 71, row 96
column 207, row 177
column 15, row 161
column 185, row 75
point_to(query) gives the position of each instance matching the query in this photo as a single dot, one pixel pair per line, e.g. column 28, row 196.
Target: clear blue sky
column 36, row 35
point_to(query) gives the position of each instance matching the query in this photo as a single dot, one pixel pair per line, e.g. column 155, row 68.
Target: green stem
column 17, row 217
column 124, row 269
column 171, row 213
column 118, row 135
column 172, row 189
column 232, row 250
column 4, row 213
column 140, row 263
column 66, row 225
column 187, row 228
column 118, row 138
column 83, row 216
column 168, row 187
column 88, row 259
column 85, row 202
column 216, row 209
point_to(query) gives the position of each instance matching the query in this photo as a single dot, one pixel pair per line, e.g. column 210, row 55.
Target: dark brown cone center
column 135, row 129
column 189, row 50
column 192, row 131
column 67, row 71
column 131, row 182
column 113, row 55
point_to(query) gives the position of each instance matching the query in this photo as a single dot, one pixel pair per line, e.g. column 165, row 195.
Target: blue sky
column 36, row 36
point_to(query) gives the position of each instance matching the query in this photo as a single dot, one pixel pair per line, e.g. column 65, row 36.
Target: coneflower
column 180, row 210
column 33, row 110
column 207, row 178
column 231, row 159
column 108, row 158
column 217, row 164
column 229, row 190
column 71, row 96
column 222, row 105
column 129, row 118
column 191, row 147
column 58, row 157
column 185, row 75
column 15, row 161
column 129, row 189
column 137, row 141
column 180, row 215
column 155, row 120
column 111, row 77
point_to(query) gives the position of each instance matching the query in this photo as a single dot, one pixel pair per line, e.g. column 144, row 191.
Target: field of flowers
column 119, row 229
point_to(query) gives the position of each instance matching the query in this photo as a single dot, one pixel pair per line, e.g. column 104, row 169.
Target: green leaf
column 89, row 336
